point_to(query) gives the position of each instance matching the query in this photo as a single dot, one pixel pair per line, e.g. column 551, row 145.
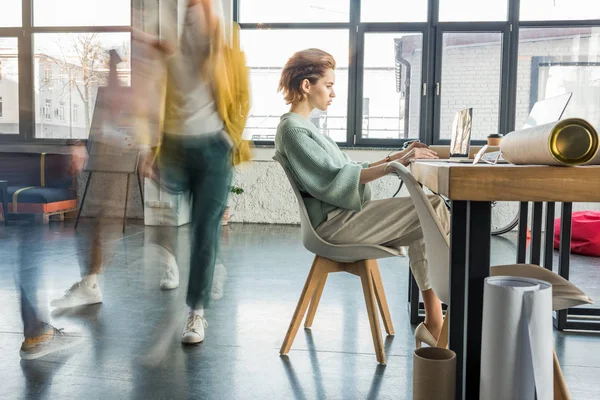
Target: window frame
column 25, row 34
column 432, row 31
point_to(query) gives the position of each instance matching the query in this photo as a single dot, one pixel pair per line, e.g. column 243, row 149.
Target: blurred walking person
column 197, row 146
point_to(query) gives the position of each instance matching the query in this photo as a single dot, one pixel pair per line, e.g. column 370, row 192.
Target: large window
column 266, row 11
column 473, row 10
column 393, row 11
column 553, row 61
column 555, row 10
column 67, row 44
column 69, row 68
column 391, row 86
column 9, row 85
column 471, row 71
column 405, row 67
column 10, row 13
column 267, row 53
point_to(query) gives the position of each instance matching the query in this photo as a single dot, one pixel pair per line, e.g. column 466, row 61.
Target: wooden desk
column 472, row 188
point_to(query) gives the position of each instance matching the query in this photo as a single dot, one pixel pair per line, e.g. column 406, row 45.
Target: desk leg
column 458, row 289
column 522, row 235
column 564, row 256
column 413, row 299
column 536, row 234
column 478, row 268
column 549, row 237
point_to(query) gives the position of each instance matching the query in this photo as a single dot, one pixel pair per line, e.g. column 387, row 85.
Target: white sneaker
column 170, row 279
column 80, row 294
column 194, row 330
column 52, row 341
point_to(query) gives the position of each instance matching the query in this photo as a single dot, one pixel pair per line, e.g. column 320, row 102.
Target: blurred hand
column 146, row 165
column 79, row 158
column 401, row 154
column 417, row 145
column 417, row 153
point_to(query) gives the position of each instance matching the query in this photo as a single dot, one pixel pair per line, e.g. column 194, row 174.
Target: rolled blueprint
column 572, row 141
column 517, row 343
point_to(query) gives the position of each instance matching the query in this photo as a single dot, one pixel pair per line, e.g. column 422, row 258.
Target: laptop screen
column 460, row 141
column 548, row 110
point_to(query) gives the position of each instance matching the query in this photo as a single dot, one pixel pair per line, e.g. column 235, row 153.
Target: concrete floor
column 132, row 349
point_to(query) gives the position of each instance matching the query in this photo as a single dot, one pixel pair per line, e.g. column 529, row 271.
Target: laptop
column 543, row 112
column 460, row 140
column 548, row 110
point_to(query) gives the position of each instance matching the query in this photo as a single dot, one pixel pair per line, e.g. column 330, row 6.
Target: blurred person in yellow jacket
column 195, row 153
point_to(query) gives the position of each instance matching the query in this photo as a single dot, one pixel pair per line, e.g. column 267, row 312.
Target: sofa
column 38, row 183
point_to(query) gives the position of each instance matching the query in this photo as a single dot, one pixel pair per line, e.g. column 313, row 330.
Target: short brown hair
column 308, row 64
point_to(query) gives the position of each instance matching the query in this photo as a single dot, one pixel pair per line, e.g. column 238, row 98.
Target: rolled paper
column 569, row 142
column 517, row 342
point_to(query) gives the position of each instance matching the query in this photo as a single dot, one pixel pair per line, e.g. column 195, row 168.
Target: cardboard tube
column 434, row 374
column 569, row 142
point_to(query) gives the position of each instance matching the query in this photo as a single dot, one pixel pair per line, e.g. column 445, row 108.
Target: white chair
column 357, row 259
column 564, row 293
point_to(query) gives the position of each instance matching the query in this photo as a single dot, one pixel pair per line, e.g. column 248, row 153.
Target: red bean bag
column 585, row 238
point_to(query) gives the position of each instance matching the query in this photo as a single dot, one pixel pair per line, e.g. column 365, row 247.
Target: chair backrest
column 436, row 241
column 313, row 242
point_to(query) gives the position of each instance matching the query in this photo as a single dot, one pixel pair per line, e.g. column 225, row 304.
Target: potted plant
column 236, row 190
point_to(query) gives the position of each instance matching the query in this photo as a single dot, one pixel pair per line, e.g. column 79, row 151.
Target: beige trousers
column 389, row 222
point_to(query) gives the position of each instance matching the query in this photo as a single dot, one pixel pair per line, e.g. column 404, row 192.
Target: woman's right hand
column 417, row 153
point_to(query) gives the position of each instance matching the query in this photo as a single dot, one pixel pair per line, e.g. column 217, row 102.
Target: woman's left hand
column 414, row 145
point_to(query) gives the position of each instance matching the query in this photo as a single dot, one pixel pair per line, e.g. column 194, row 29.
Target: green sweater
column 320, row 169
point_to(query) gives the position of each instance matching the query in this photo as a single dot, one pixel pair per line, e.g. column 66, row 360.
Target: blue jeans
column 29, row 268
column 201, row 166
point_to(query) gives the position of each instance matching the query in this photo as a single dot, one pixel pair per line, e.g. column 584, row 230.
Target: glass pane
column 392, row 85
column 471, row 72
column 9, row 86
column 553, row 61
column 68, row 68
column 555, row 10
column 10, row 16
column 81, row 12
column 294, row 11
column 473, row 10
column 267, row 52
column 393, row 11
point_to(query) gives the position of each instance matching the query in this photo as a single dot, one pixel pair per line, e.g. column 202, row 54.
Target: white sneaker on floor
column 52, row 341
column 194, row 329
column 80, row 294
column 170, row 279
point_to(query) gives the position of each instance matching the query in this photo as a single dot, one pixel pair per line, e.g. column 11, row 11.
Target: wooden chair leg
column 560, row 387
column 443, row 339
column 368, row 289
column 309, row 288
column 314, row 303
column 381, row 299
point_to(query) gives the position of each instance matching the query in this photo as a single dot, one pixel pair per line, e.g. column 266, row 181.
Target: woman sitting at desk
column 337, row 194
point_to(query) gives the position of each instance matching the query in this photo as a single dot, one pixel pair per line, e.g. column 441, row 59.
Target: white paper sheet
column 517, row 341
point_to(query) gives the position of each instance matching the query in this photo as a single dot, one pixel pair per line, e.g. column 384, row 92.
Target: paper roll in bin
column 434, row 374
column 517, row 342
